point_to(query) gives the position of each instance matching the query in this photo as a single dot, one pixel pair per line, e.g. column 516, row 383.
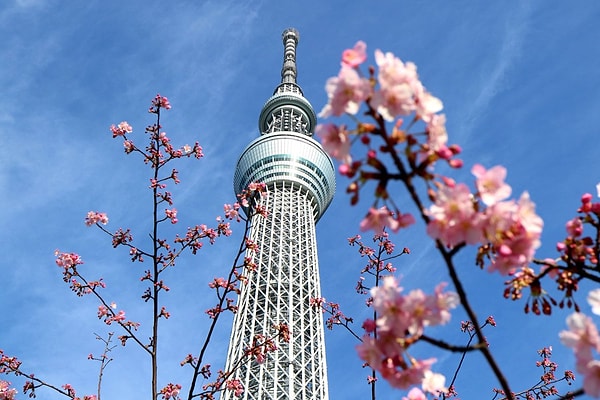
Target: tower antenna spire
column 290, row 39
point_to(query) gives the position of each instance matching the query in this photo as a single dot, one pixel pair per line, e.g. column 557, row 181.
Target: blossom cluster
column 94, row 217
column 578, row 259
column 6, row 392
column 583, row 337
column 396, row 91
column 160, row 150
column 392, row 91
column 379, row 219
column 400, row 91
column 578, row 249
column 252, row 196
column 159, row 102
column 122, row 129
column 171, row 391
column 509, row 231
column 236, row 386
column 401, row 320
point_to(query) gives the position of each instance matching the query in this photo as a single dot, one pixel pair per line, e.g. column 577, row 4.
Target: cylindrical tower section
column 289, row 157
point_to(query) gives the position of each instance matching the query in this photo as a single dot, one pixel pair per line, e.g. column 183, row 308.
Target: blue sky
column 520, row 85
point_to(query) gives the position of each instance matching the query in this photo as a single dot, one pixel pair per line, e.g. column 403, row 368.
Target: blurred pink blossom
column 355, row 56
column 345, row 92
column 490, row 183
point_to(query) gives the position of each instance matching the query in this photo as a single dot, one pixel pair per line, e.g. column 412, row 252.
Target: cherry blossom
column 593, row 299
column 437, row 137
column 490, row 184
column 236, row 386
column 336, row 141
column 170, row 391
column 128, row 146
column 433, row 383
column 94, row 217
column 381, row 218
column 574, row 227
column 398, row 83
column 345, row 92
column 355, row 56
column 427, row 105
column 591, row 378
column 121, row 129
column 400, row 322
column 172, row 215
column 582, row 337
column 415, row 394
column 454, row 219
column 232, row 211
column 514, row 230
column 159, row 102
column 6, row 392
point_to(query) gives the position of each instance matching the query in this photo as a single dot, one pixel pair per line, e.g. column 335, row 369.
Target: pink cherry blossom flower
column 415, row 394
column 121, row 129
column 218, row 282
column 67, row 260
column 401, row 319
column 355, row 56
column 102, row 311
column 593, row 299
column 404, row 378
column 6, row 392
column 434, row 383
column 345, row 92
column 160, row 102
column 120, row 317
column 405, row 220
column 392, row 71
column 399, row 86
column 170, row 391
column 427, row 105
column 490, row 184
column 94, row 217
column 378, row 219
column 390, row 304
column 393, row 101
column 172, row 215
column 514, row 230
column 232, row 211
column 437, row 137
column 128, row 146
column 591, row 378
column 439, row 305
column 454, row 219
column 236, row 386
column 574, row 227
column 582, row 337
column 336, row 141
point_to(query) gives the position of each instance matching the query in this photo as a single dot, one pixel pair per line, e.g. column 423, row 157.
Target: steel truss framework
column 279, row 291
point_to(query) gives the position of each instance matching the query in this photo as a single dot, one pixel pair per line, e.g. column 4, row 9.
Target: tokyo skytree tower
column 300, row 180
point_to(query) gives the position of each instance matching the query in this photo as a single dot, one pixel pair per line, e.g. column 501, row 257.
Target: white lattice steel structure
column 300, row 178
